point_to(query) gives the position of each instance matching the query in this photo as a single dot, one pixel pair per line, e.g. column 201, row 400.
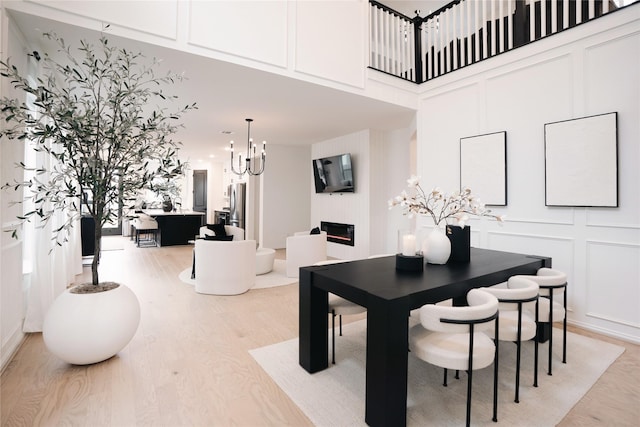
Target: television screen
column 333, row 174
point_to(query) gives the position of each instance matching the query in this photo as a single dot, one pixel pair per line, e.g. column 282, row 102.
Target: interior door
column 200, row 191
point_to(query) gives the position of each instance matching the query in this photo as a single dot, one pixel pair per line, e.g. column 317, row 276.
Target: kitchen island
column 177, row 227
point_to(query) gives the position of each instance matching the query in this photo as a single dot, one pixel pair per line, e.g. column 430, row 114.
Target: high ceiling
column 285, row 110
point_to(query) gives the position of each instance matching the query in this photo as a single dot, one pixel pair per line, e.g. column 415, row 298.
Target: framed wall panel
column 483, row 167
column 581, row 162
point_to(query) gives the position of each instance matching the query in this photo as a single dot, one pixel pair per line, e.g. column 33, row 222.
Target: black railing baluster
column 417, row 37
column 520, row 24
column 484, row 40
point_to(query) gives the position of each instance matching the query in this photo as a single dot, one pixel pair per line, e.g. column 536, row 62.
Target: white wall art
column 483, row 167
column 581, row 162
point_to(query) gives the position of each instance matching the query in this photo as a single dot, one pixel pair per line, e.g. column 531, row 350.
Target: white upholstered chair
column 305, row 249
column 517, row 300
column 237, row 232
column 339, row 306
column 552, row 283
column 454, row 338
column 224, row 268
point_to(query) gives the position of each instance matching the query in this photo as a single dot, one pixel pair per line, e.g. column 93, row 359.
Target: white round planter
column 91, row 327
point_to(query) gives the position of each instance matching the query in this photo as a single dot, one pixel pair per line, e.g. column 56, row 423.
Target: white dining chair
column 552, row 283
column 339, row 306
column 517, row 324
column 454, row 337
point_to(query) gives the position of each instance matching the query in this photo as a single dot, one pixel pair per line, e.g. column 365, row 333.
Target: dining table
column 389, row 295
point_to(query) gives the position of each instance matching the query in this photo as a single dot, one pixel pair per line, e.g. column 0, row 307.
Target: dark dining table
column 389, row 295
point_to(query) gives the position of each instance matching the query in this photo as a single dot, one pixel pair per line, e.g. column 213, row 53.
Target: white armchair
column 304, row 249
column 238, row 233
column 224, row 268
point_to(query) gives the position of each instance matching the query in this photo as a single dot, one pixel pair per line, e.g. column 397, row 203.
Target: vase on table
column 167, row 206
column 460, row 239
column 437, row 247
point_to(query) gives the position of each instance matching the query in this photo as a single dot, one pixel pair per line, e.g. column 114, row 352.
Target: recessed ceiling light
column 211, row 156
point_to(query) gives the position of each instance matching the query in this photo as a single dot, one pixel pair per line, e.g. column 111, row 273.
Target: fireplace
column 343, row 234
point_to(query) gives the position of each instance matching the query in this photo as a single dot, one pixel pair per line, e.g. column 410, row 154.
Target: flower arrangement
column 459, row 205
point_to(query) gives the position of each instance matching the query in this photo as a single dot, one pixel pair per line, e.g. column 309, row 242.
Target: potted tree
column 100, row 117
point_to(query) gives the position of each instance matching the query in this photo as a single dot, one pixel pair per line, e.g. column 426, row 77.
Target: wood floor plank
column 188, row 364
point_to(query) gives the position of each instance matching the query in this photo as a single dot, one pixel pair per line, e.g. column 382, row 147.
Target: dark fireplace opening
column 343, row 234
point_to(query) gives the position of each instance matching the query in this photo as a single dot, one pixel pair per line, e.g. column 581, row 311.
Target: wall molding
column 612, row 319
column 531, row 236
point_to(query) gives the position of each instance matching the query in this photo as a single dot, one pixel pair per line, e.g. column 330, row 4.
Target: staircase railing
column 467, row 31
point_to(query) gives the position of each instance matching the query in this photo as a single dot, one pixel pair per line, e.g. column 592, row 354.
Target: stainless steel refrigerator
column 237, row 201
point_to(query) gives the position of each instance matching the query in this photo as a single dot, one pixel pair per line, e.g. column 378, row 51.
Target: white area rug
column 335, row 396
column 277, row 277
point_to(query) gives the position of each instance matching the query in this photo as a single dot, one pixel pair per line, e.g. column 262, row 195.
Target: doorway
column 200, row 191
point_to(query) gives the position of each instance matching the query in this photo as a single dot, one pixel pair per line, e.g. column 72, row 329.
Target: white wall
column 285, row 196
column 11, row 278
column 394, row 163
column 347, row 208
column 589, row 70
column 381, row 165
column 294, row 38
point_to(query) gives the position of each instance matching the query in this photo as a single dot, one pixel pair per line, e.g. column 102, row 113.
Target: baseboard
column 606, row 332
column 11, row 347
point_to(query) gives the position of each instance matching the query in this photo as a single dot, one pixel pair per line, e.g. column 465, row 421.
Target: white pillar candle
column 409, row 245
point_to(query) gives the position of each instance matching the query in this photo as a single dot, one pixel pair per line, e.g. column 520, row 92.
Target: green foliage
column 98, row 117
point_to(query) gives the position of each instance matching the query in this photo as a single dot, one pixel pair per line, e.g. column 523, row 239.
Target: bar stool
column 146, row 231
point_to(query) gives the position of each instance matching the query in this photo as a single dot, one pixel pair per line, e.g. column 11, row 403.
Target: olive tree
column 100, row 116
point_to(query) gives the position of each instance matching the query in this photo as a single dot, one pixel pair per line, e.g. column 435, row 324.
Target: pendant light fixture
column 253, row 165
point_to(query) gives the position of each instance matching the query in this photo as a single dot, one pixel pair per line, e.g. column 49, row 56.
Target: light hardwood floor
column 189, row 365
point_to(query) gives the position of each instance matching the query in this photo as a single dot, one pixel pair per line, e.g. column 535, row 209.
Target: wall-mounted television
column 333, row 174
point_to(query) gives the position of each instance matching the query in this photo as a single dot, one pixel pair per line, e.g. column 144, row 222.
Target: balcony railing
column 468, row 31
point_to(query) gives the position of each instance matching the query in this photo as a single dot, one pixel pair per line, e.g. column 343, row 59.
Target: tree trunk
column 97, row 251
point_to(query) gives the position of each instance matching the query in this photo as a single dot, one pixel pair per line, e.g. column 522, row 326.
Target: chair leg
column 495, row 373
column 518, row 348
column 469, row 381
column 550, row 330
column 535, row 353
column 333, row 337
column 517, row 396
column 470, row 375
column 445, row 377
column 535, row 362
column 564, row 329
column 340, row 324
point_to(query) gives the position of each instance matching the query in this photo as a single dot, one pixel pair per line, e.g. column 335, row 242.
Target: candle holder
column 413, row 263
column 408, row 257
column 407, row 243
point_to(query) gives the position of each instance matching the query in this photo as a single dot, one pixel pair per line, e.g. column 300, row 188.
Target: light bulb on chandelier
column 253, row 165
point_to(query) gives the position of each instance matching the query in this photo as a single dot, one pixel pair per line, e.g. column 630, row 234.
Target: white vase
column 91, row 327
column 437, row 247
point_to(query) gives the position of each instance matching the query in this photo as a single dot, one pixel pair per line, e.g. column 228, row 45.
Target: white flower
column 460, row 204
column 414, row 181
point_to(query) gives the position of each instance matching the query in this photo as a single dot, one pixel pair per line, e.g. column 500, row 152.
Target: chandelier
column 252, row 164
